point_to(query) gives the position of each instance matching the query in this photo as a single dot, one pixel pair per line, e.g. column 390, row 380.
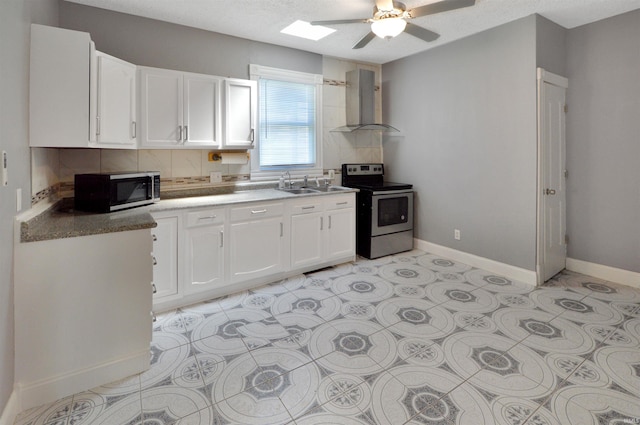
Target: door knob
column 550, row 191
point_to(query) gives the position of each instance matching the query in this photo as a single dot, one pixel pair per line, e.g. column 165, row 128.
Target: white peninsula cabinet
column 224, row 249
column 179, row 109
column 165, row 254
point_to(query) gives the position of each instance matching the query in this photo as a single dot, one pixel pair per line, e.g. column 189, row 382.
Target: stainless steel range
column 384, row 213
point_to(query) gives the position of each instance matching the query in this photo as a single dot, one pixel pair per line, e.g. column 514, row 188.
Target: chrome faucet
column 289, row 176
column 306, row 178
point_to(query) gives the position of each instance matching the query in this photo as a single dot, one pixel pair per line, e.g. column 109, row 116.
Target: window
column 289, row 124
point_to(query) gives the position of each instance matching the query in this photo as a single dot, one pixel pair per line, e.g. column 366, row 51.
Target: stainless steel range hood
column 361, row 103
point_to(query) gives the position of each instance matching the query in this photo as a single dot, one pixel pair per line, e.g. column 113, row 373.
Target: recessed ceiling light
column 306, row 30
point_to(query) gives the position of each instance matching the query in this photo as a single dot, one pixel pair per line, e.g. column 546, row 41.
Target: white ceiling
column 262, row 20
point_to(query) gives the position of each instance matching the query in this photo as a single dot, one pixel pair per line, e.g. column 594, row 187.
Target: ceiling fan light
column 388, row 27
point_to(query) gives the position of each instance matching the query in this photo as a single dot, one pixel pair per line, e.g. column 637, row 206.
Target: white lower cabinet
column 322, row 229
column 165, row 255
column 307, row 225
column 204, row 250
column 341, row 227
column 208, row 252
column 256, row 241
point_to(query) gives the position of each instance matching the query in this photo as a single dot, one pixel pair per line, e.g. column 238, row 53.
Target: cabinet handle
column 329, row 222
column 309, row 208
column 97, row 126
column 154, row 238
column 221, row 238
column 341, row 203
column 259, row 211
column 186, row 133
column 153, row 316
column 281, row 229
column 179, row 133
column 154, row 261
column 321, row 223
column 154, row 290
column 252, row 135
column 134, row 130
column 209, row 217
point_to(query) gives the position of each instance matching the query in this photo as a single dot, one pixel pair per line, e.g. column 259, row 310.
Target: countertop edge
column 55, row 222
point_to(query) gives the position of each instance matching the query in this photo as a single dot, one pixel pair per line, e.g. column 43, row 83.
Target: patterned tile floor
column 411, row 338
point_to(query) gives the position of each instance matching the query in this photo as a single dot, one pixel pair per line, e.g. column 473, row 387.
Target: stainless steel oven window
column 391, row 213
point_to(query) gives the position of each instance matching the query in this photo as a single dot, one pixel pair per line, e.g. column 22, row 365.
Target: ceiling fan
column 390, row 19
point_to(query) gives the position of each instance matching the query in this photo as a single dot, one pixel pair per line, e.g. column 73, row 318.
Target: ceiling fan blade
column 421, row 33
column 341, row 21
column 441, row 6
column 364, row 40
column 384, row 4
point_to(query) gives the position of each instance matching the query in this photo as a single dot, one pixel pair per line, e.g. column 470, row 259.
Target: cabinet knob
column 154, row 237
column 154, row 290
column 153, row 260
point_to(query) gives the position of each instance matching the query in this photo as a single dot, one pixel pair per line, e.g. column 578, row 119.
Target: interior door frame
column 543, row 76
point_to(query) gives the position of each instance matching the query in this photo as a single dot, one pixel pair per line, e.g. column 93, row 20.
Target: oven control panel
column 363, row 169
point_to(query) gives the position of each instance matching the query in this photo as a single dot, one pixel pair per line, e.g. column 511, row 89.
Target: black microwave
column 106, row 192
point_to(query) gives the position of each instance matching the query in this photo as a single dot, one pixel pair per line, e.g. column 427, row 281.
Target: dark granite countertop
column 62, row 221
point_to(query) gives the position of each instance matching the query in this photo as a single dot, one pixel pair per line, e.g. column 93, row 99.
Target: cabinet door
column 161, row 108
column 340, row 233
column 240, row 113
column 59, row 87
column 165, row 257
column 257, row 248
column 116, row 102
column 202, row 111
column 204, row 258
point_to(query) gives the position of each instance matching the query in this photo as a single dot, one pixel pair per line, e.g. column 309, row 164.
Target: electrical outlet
column 215, row 177
column 456, row 234
column 19, row 199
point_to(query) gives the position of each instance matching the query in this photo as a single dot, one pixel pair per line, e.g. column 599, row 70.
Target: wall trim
column 512, row 272
column 11, row 410
column 33, row 394
column 611, row 274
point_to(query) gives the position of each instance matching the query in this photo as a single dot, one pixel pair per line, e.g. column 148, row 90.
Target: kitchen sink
column 329, row 189
column 299, row 190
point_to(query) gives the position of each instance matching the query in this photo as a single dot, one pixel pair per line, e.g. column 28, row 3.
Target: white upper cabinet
column 241, row 105
column 60, row 87
column 179, row 109
column 116, row 103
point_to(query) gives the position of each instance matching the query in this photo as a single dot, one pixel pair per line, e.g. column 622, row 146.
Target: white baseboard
column 611, row 274
column 33, row 394
column 11, row 410
column 512, row 272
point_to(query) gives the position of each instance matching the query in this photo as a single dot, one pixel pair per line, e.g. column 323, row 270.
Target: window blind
column 287, row 123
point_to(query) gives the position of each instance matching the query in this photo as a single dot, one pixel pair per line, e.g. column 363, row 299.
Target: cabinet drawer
column 310, row 206
column 339, row 202
column 205, row 217
column 257, row 211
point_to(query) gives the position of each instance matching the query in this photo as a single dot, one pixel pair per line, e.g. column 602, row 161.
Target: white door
column 257, row 249
column 340, row 233
column 204, row 258
column 116, row 102
column 306, row 239
column 552, row 248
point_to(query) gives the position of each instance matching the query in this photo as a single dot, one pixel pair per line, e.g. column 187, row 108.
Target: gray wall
column 15, row 18
column 551, row 51
column 467, row 113
column 603, row 142
column 159, row 44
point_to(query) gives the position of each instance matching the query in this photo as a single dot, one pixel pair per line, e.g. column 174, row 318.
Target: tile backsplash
column 53, row 170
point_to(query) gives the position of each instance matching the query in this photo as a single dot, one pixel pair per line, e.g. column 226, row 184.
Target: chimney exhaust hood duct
column 361, row 103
